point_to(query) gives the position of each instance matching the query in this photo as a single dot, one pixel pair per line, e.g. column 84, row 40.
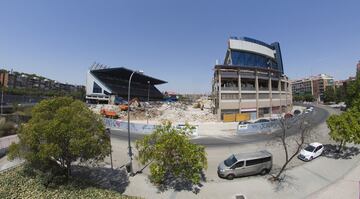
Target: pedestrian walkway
column 6, row 164
column 346, row 187
column 303, row 181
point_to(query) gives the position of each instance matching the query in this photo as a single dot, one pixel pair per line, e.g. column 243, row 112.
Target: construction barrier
column 236, row 117
column 138, row 128
column 229, row 117
column 266, row 127
column 242, row 117
column 134, row 127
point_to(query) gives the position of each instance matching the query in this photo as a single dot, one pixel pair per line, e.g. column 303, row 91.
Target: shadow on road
column 104, row 178
column 332, row 151
column 181, row 184
column 285, row 182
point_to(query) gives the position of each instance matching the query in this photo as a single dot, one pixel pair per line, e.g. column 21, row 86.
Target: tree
column 345, row 128
column 340, row 94
column 309, row 97
column 352, row 91
column 61, row 131
column 285, row 125
column 304, row 97
column 329, row 94
column 172, row 155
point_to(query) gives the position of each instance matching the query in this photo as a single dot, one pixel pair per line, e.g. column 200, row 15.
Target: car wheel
column 311, row 158
column 230, row 176
column 264, row 171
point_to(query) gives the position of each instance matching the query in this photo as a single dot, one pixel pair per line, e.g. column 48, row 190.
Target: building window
column 247, row 84
column 274, row 85
column 263, row 85
column 96, row 88
column 229, row 84
column 282, row 86
column 264, row 111
column 242, row 58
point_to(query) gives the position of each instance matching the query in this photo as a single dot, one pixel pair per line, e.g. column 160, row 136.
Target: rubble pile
column 176, row 112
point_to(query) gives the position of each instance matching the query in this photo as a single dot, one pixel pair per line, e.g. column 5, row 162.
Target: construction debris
column 176, row 112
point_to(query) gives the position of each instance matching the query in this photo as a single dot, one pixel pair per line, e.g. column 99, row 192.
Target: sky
column 176, row 41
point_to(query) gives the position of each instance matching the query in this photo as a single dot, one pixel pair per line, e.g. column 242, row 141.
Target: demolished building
column 104, row 83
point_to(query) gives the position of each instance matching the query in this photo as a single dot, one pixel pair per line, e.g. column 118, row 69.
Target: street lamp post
column 148, row 100
column 128, row 113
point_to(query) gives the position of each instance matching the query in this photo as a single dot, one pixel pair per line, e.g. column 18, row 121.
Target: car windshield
column 262, row 120
column 310, row 148
column 230, row 161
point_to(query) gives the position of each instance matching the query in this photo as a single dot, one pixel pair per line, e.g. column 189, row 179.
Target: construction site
column 107, row 94
column 154, row 112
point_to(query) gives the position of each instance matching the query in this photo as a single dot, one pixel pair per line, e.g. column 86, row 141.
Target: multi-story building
column 251, row 80
column 17, row 80
column 315, row 85
column 302, row 86
column 339, row 83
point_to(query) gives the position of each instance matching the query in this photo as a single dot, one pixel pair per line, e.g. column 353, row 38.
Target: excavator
column 123, row 107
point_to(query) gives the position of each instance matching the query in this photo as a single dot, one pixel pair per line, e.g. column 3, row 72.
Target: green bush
column 15, row 183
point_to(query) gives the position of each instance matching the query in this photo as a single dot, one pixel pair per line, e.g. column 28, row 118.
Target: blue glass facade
column 242, row 58
column 237, row 57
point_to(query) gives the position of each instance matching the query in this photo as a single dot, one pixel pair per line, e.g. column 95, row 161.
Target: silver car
column 244, row 164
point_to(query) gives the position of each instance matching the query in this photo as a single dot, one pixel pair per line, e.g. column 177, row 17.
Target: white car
column 312, row 151
column 243, row 125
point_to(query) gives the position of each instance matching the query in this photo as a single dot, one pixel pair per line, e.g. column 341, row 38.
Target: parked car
column 243, row 124
column 311, row 151
column 244, row 164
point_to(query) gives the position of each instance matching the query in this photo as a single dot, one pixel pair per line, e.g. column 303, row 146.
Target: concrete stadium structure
column 105, row 85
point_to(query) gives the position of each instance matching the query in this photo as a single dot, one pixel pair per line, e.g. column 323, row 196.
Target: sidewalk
column 311, row 180
column 347, row 187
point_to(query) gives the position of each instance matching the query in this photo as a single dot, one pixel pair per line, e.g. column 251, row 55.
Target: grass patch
column 14, row 183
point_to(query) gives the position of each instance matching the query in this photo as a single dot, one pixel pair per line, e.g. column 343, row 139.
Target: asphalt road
column 314, row 118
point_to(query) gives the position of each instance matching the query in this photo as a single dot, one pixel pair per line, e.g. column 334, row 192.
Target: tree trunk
column 277, row 177
column 68, row 170
column 341, row 145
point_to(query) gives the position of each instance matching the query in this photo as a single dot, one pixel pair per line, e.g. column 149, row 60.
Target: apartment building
column 17, row 80
column 315, row 85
